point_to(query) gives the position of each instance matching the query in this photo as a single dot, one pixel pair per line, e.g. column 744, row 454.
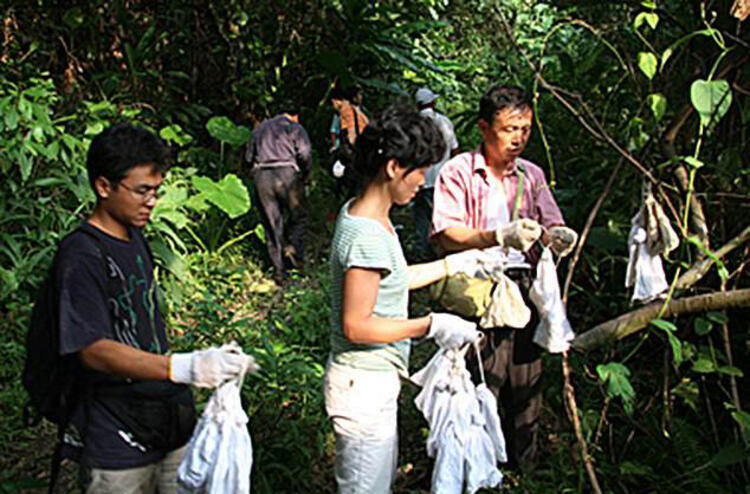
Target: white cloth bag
column 465, row 436
column 651, row 236
column 219, row 456
column 553, row 333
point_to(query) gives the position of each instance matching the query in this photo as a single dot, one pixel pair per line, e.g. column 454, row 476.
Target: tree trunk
column 631, row 322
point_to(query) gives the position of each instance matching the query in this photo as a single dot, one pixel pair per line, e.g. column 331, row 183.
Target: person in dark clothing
column 280, row 157
column 137, row 414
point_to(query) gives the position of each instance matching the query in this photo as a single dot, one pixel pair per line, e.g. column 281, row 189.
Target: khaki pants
column 158, row 477
column 363, row 406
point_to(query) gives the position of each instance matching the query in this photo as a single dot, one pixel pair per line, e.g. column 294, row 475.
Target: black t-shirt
column 89, row 314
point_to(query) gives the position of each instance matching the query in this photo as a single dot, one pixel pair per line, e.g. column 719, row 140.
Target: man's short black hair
column 352, row 92
column 336, row 93
column 118, row 149
column 290, row 107
column 401, row 133
column 500, row 97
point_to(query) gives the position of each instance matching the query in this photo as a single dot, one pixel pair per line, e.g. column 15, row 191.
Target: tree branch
column 586, row 229
column 700, row 268
column 634, row 321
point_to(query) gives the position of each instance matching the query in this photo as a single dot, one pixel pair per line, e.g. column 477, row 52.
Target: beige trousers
column 158, row 477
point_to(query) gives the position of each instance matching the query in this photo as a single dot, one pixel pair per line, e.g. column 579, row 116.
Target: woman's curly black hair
column 401, row 133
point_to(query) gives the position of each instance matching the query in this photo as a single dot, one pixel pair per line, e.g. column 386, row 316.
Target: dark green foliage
column 641, row 75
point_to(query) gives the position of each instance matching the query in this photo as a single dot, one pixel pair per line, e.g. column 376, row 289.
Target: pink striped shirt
column 463, row 188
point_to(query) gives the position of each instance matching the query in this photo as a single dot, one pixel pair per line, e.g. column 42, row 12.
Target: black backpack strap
column 112, row 281
column 356, row 120
column 64, row 422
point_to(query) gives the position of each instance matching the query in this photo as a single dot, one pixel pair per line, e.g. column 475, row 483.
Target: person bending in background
column 491, row 196
column 280, row 157
column 370, row 328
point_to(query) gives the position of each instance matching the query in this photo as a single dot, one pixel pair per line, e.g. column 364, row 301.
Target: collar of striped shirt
column 479, row 165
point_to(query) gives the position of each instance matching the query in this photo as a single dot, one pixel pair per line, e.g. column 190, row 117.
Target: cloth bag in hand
column 219, row 456
column 463, row 434
column 463, row 295
column 506, row 307
column 553, row 333
column 470, row 296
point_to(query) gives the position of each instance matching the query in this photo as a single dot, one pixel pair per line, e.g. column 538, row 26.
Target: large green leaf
column 223, row 129
column 230, row 194
column 711, row 99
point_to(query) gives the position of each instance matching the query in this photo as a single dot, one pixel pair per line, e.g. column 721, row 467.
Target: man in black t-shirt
column 132, row 417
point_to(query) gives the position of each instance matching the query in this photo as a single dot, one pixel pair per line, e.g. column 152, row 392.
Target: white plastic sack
column 553, row 333
column 219, row 456
column 465, row 439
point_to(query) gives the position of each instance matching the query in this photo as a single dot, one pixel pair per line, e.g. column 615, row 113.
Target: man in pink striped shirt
column 477, row 205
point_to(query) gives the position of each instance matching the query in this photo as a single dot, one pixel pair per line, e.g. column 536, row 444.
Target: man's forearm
column 459, row 238
column 112, row 357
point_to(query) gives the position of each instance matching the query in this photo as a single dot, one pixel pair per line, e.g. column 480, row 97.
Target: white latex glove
column 451, row 332
column 468, row 262
column 562, row 240
column 519, row 234
column 338, row 169
column 210, row 367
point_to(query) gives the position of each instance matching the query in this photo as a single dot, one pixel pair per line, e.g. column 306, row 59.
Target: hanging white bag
column 553, row 333
column 219, row 456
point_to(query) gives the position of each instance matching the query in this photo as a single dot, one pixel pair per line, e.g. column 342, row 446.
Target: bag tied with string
column 651, row 236
column 465, row 437
column 219, row 456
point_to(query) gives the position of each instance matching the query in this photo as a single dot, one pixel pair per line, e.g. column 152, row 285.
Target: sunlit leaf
column 616, row 375
column 703, row 366
column 223, row 129
column 230, row 194
column 676, row 345
column 730, row 370
column 174, row 133
column 711, row 99
column 742, row 418
column 647, row 63
column 663, row 324
column 658, row 104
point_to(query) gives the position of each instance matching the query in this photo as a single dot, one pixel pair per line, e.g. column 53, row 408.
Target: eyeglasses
column 144, row 193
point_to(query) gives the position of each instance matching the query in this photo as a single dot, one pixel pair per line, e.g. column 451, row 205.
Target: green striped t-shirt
column 365, row 243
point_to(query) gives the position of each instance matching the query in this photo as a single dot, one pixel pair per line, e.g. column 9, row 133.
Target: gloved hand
column 210, row 367
column 451, row 332
column 562, row 240
column 468, row 262
column 519, row 234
